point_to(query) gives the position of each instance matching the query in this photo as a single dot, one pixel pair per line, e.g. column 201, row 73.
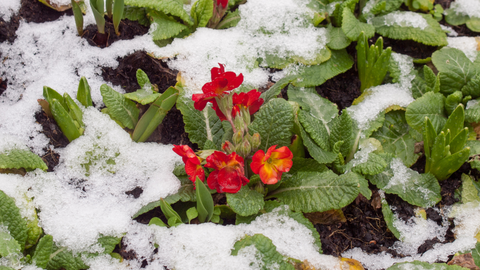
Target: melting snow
column 467, row 7
column 468, row 45
column 405, row 19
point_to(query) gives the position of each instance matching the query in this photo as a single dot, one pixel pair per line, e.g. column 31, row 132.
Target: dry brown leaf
column 464, row 260
column 376, row 200
column 327, row 217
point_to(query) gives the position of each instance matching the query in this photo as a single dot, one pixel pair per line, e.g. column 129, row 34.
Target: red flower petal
column 217, row 71
column 257, row 161
column 184, row 151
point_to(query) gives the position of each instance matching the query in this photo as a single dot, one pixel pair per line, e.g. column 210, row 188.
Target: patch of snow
column 9, row 8
column 471, row 103
column 266, row 26
column 379, row 98
column 208, row 245
column 87, row 192
column 449, row 30
column 405, row 19
column 468, row 45
column 470, row 8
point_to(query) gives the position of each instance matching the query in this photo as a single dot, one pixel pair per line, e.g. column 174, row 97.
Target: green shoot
column 371, row 62
column 118, row 8
column 98, row 12
column 77, row 13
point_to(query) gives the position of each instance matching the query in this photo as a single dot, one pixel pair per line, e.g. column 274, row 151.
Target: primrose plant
column 247, row 154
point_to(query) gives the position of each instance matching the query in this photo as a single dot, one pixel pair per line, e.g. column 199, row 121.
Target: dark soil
column 364, row 226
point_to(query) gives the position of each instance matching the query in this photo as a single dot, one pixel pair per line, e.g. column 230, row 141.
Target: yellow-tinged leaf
column 350, row 264
column 55, row 6
column 305, row 265
column 478, row 43
column 395, row 108
column 478, row 236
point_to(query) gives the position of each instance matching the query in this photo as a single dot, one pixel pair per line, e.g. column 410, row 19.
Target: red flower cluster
column 221, row 82
column 250, row 100
column 192, row 162
column 229, row 174
column 271, row 165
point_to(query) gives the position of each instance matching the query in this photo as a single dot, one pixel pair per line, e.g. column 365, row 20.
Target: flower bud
column 245, row 148
column 238, row 122
column 237, row 137
column 255, row 141
column 228, row 147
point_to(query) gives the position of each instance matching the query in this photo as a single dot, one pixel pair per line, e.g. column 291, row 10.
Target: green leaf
column 306, row 164
column 231, row 19
column 191, row 213
column 353, row 27
column 245, row 202
column 310, row 101
column 456, row 70
column 266, row 249
column 49, row 94
column 374, row 165
column 9, row 247
column 171, row 215
column 65, row 121
column 84, row 93
column 454, row 18
column 338, row 39
column 317, row 192
column 417, row 189
column 425, row 266
column 120, row 108
column 432, row 34
column 11, row 218
column 472, row 113
column 342, row 129
column 43, row 251
column 164, row 26
column 455, row 122
column 142, row 78
column 201, row 125
column 389, row 217
column 398, row 137
column 61, row 257
column 171, row 7
column 157, row 221
column 337, row 15
column 430, row 105
column 476, row 254
column 309, row 76
column 472, row 87
column 34, row 231
column 204, row 202
column 143, row 96
column 469, row 192
column 201, row 12
column 452, row 101
column 136, row 14
column 274, row 122
column 17, row 158
column 473, row 24
column 316, row 130
column 109, row 243
column 320, row 155
column 276, row 89
column 450, row 164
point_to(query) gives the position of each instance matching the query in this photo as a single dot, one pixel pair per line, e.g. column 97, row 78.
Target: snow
column 405, row 19
column 470, row 8
column 468, row 45
column 9, row 8
column 379, row 98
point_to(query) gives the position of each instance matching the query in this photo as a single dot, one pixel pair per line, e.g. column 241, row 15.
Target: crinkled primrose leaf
column 201, row 125
column 317, row 192
column 268, row 252
column 405, row 25
column 246, row 202
column 18, row 158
